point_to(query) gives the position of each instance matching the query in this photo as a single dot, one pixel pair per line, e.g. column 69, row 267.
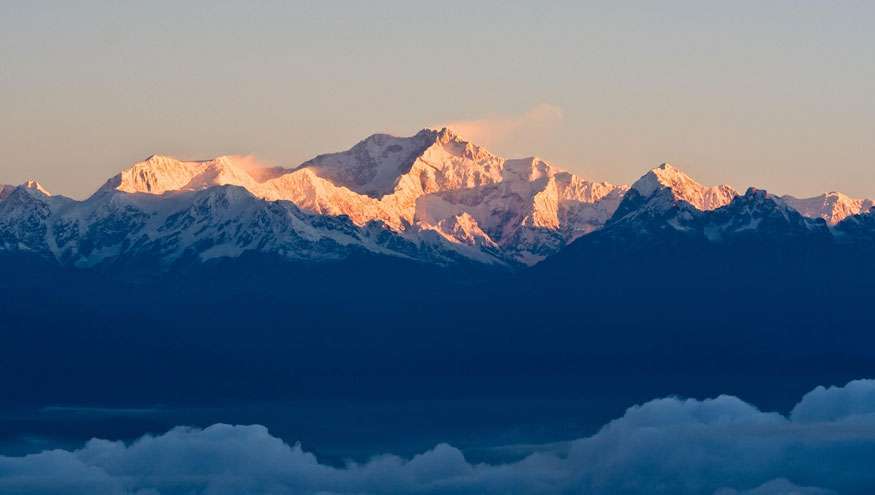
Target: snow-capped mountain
column 665, row 197
column 23, row 216
column 683, row 188
column 667, row 202
column 832, row 206
column 532, row 212
column 658, row 240
column 29, row 185
column 432, row 183
column 432, row 197
column 216, row 222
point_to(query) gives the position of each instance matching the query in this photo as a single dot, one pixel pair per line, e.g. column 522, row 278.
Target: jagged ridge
column 518, row 210
column 433, row 196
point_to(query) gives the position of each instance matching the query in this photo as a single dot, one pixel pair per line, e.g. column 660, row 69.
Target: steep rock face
column 373, row 166
column 434, row 182
column 531, row 213
column 758, row 213
column 833, row 207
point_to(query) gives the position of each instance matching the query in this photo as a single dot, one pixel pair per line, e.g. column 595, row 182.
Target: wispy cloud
column 495, row 130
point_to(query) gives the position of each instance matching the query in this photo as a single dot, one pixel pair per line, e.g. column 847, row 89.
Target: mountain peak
column 33, row 185
column 30, row 189
column 668, row 167
column 446, row 135
column 664, row 175
column 833, row 206
column 441, row 134
column 155, row 175
column 760, row 199
column 683, row 188
column 755, row 192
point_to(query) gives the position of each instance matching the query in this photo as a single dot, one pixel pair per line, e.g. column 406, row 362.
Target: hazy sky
column 779, row 94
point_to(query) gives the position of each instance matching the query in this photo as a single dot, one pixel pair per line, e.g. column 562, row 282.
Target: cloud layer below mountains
column 667, row 446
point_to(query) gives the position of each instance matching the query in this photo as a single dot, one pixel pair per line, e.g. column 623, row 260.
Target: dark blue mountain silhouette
column 746, row 299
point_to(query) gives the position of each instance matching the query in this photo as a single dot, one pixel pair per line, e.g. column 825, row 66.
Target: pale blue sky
column 778, row 94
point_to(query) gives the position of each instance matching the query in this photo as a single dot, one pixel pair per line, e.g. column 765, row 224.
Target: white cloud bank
column 719, row 446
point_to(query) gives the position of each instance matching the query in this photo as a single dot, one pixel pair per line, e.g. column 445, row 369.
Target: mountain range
column 433, row 197
column 426, row 266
